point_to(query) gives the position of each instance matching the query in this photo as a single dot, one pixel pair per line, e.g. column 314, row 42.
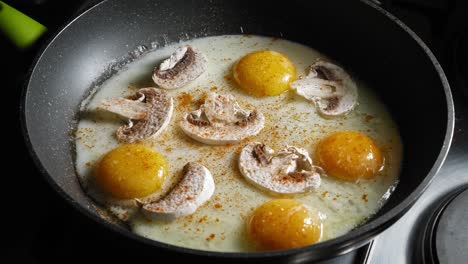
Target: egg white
column 220, row 224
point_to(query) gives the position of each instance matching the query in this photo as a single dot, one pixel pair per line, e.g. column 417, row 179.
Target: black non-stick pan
column 374, row 45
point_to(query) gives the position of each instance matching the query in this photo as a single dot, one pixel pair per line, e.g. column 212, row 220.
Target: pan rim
column 341, row 245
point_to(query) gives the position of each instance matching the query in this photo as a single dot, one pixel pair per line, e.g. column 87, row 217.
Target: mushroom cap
column 290, row 171
column 220, row 120
column 329, row 87
column 195, row 188
column 183, row 66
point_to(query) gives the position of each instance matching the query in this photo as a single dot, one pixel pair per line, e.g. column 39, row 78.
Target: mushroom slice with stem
column 329, row 87
column 148, row 115
column 220, row 120
column 290, row 171
column 194, row 189
column 182, row 67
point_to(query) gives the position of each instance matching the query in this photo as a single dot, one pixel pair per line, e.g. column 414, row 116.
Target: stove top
column 44, row 228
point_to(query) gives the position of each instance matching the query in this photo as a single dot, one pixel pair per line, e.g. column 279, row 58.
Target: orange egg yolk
column 264, row 73
column 284, row 224
column 131, row 171
column 349, row 155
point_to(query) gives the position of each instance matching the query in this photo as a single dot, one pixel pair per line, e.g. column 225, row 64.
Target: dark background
column 42, row 228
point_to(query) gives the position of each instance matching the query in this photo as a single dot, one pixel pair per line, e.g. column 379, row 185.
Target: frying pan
column 361, row 36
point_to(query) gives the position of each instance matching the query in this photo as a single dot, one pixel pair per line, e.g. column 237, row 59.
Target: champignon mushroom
column 182, row 67
column 329, row 87
column 220, row 120
column 195, row 188
column 288, row 172
column 148, row 115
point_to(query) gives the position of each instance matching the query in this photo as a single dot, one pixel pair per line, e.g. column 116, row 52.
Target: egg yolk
column 264, row 73
column 349, row 155
column 284, row 224
column 131, row 171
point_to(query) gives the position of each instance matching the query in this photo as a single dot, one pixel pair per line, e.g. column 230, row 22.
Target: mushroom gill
column 148, row 115
column 183, row 66
column 290, row 171
column 220, row 120
column 329, row 87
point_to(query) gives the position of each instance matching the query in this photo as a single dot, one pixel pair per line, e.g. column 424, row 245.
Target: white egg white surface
column 220, row 224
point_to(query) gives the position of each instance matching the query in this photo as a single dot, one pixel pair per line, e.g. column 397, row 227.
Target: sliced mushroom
column 194, row 189
column 182, row 67
column 329, row 87
column 220, row 120
column 148, row 115
column 288, row 172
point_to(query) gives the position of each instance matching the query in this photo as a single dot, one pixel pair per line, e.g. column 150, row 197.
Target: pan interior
column 220, row 224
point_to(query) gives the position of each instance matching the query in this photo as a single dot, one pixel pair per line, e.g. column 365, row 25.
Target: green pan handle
column 19, row 28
